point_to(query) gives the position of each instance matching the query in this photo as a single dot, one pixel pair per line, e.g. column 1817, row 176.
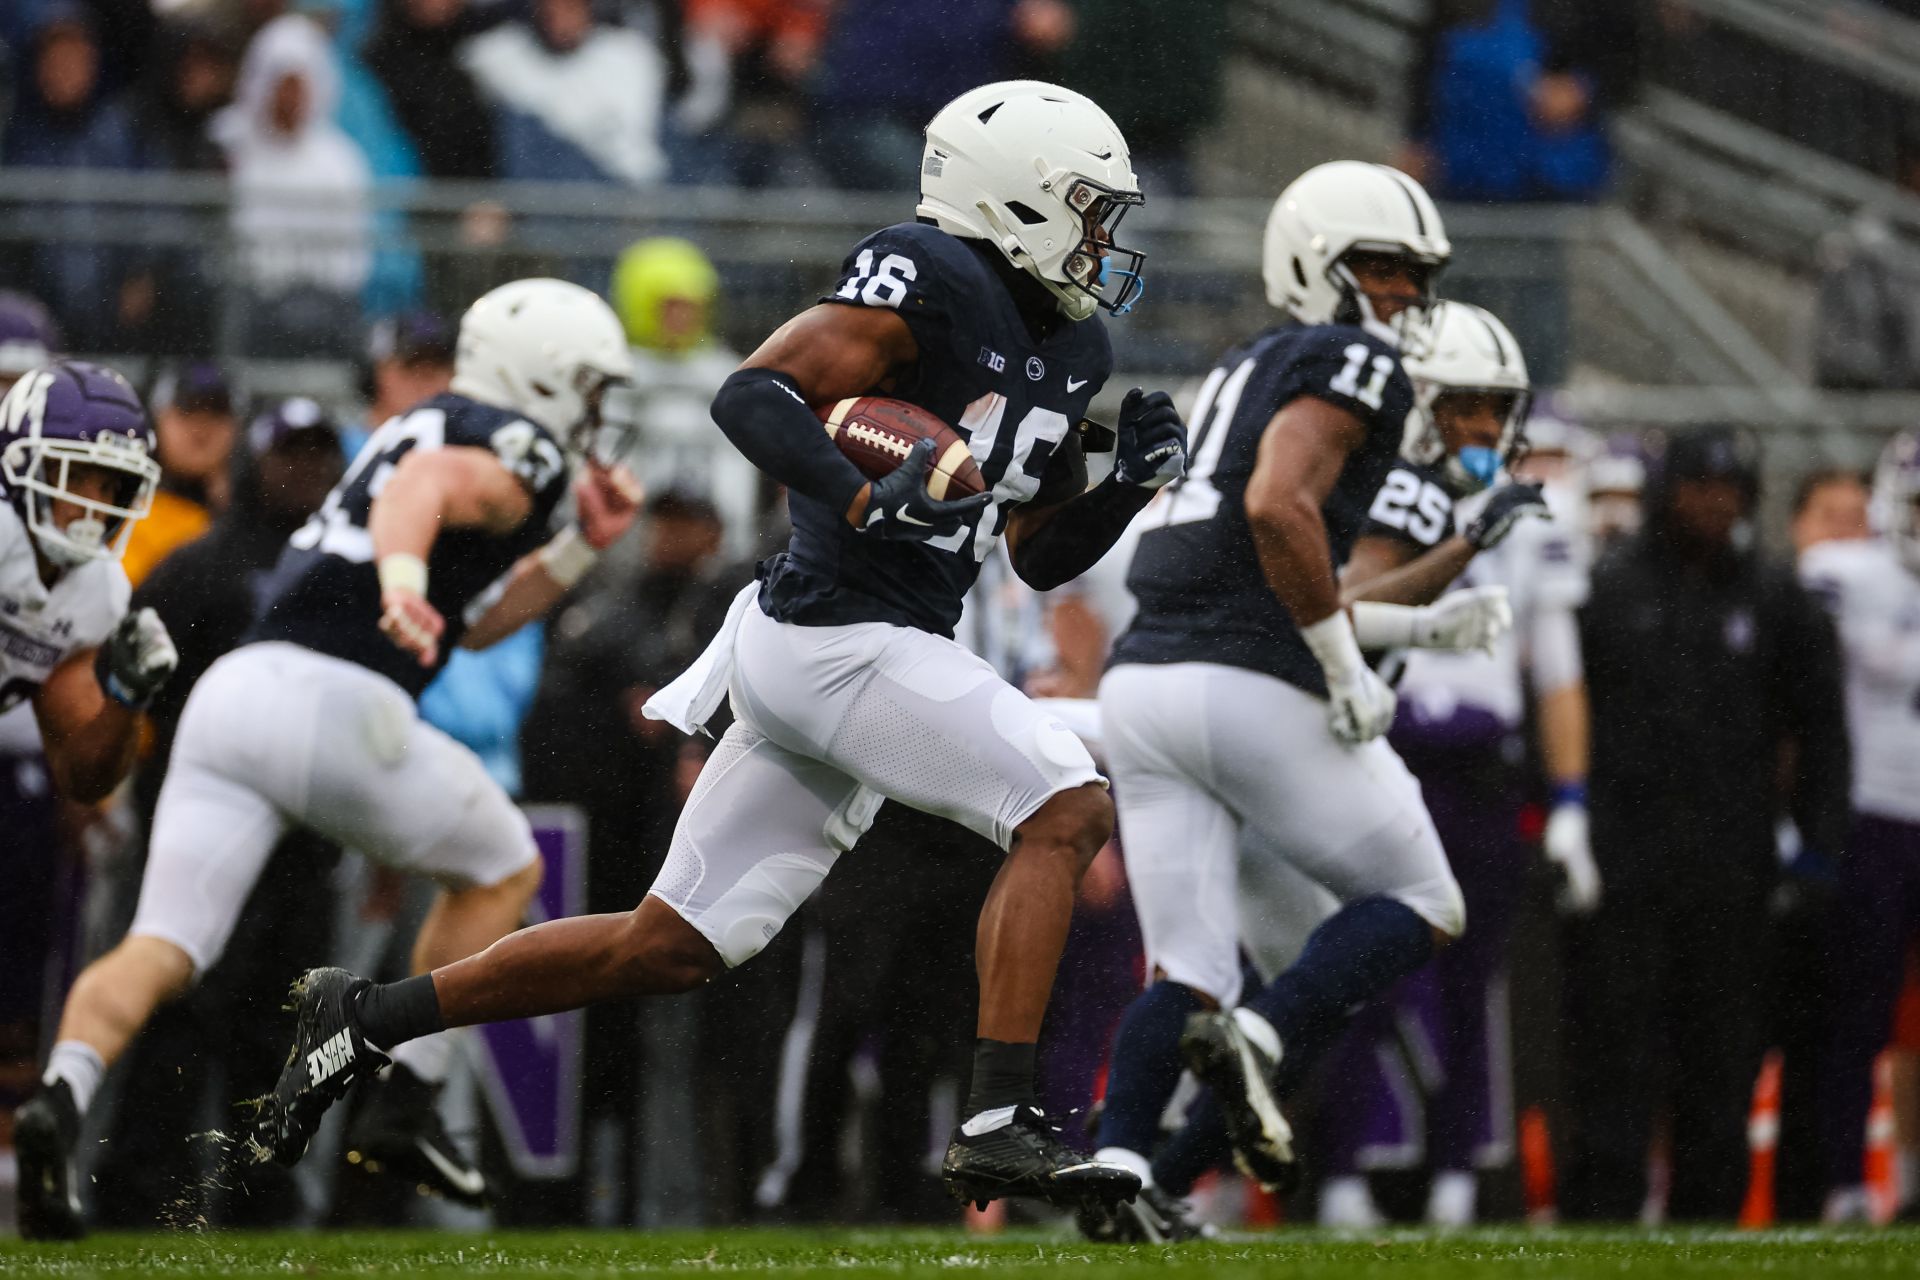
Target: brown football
column 875, row 434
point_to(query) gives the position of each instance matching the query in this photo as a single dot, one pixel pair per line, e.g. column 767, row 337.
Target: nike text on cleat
column 399, row 1133
column 329, row 1054
column 1025, row 1157
column 1153, row 1217
column 1241, row 1075
column 45, row 1133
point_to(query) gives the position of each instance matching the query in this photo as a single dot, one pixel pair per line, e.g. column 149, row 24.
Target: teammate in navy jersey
column 845, row 686
column 438, row 534
column 1239, row 694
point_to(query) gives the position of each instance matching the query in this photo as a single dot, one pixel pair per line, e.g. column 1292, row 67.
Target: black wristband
column 763, row 413
column 1078, row 534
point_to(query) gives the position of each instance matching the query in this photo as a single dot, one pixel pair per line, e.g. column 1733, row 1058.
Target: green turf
column 928, row 1253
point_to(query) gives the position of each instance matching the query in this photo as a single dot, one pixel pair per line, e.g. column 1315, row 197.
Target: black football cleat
column 1241, row 1075
column 45, row 1133
column 1025, row 1157
column 399, row 1133
column 1152, row 1217
column 329, row 1054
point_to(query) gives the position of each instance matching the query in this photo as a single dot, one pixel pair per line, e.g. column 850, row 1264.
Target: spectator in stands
column 412, row 51
column 885, row 69
column 300, row 189
column 772, row 48
column 1866, row 316
column 196, row 427
column 664, row 290
column 1830, row 506
column 1705, row 662
column 1181, row 50
column 190, row 78
column 63, row 119
column 409, row 359
column 1510, row 98
column 574, row 98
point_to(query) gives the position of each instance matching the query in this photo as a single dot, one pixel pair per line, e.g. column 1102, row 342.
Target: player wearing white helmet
column 440, row 534
column 1239, row 696
column 845, row 684
column 1872, row 588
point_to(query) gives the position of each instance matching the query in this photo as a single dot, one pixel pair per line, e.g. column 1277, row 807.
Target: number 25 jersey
column 324, row 593
column 1201, row 592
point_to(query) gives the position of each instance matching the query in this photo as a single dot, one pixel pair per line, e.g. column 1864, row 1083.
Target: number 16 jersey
column 1201, row 592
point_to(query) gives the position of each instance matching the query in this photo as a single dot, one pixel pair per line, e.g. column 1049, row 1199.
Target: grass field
column 1557, row 1254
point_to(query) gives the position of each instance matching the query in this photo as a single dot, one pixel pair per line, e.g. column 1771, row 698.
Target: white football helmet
column 1344, row 207
column 1042, row 173
column 547, row 349
column 1465, row 348
column 1896, row 497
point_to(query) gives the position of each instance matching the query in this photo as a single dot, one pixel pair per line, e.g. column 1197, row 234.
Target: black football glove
column 899, row 506
column 135, row 662
column 1152, row 447
column 1504, row 508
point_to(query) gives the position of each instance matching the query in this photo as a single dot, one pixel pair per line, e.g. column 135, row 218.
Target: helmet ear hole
column 1026, row 213
column 1299, row 272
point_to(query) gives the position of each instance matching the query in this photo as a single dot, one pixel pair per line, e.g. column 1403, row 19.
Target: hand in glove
column 900, row 508
column 1569, row 849
column 1152, row 441
column 1503, row 509
column 136, row 661
column 1359, row 703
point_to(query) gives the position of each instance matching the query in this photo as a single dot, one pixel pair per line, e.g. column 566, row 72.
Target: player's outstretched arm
column 89, row 707
column 607, row 499
column 1392, row 571
column 459, row 486
column 824, row 354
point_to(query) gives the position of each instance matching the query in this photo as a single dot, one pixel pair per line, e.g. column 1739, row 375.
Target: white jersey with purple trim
column 41, row 626
column 1543, row 566
column 1875, row 604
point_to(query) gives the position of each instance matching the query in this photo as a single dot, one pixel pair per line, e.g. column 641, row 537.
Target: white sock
column 1131, row 1160
column 1346, row 1204
column 1452, row 1200
column 430, row 1057
column 79, row 1064
column 1259, row 1030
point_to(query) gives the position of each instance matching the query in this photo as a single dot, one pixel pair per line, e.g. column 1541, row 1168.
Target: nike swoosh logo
column 1073, row 385
column 467, row 1181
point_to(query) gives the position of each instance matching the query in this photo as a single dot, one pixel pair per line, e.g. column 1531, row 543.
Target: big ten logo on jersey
column 1419, row 508
column 1012, row 469
column 1193, row 497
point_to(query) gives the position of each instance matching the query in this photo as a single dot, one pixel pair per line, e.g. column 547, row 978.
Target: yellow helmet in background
column 657, row 271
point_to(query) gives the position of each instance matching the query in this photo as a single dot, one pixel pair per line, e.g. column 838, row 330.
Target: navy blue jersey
column 325, row 591
column 1413, row 506
column 1013, row 398
column 1201, row 593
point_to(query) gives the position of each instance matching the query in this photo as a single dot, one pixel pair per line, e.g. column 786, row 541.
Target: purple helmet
column 1896, row 497
column 28, row 336
column 58, row 421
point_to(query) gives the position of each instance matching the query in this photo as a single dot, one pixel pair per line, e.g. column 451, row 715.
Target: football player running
column 438, row 535
column 845, row 686
column 1239, row 695
column 1872, row 588
column 77, row 470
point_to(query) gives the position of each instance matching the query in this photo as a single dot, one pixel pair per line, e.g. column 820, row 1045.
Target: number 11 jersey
column 1202, row 596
